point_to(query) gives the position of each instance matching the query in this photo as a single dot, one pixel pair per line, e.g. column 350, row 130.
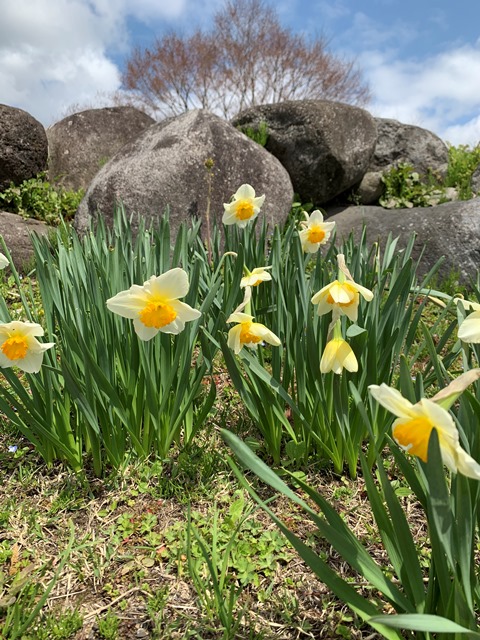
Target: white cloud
column 53, row 53
column 436, row 92
column 467, row 133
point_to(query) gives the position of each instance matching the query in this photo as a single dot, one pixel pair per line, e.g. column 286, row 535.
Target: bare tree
column 247, row 58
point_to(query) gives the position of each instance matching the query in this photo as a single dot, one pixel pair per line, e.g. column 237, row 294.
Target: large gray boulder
column 80, row 144
column 399, row 143
column 451, row 230
column 326, row 147
column 17, row 232
column 165, row 166
column 23, row 146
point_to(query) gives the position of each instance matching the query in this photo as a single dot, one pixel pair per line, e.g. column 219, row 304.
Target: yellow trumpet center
column 157, row 314
column 315, row 234
column 15, row 348
column 246, row 336
column 244, row 210
column 414, row 435
column 348, row 290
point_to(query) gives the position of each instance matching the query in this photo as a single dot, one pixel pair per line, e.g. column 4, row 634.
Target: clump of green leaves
column 462, row 162
column 41, row 199
column 406, row 188
column 257, row 134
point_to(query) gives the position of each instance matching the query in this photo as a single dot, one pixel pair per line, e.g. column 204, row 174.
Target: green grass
column 131, row 566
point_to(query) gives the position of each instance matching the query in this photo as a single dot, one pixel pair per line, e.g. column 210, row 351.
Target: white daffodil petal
column 32, row 363
column 328, row 357
column 24, row 328
column 466, row 465
column 238, row 316
column 316, row 217
column 4, row 262
column 185, row 311
column 143, row 332
column 233, row 341
column 128, row 304
column 229, row 217
column 245, row 192
column 347, row 357
column 366, row 293
column 469, row 330
column 171, row 285
column 265, row 334
column 174, row 328
column 392, row 400
column 320, row 295
column 258, row 203
column 241, row 224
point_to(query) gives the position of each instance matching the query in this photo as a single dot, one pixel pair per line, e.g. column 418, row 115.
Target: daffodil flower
column 4, row 262
column 243, row 208
column 469, row 330
column 338, row 355
column 155, row 306
column 255, row 277
column 341, row 296
column 19, row 346
column 247, row 333
column 315, row 231
column 415, row 422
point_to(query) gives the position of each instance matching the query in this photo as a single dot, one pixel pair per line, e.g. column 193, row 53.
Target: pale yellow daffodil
column 415, row 423
column 243, row 208
column 314, row 231
column 255, row 277
column 342, row 298
column 338, row 355
column 247, row 333
column 19, row 346
column 4, row 262
column 155, row 306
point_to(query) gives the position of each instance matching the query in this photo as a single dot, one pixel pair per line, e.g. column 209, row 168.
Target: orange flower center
column 414, row 436
column 15, row 348
column 349, row 290
column 244, row 210
column 255, row 284
column 157, row 314
column 246, row 336
column 315, row 234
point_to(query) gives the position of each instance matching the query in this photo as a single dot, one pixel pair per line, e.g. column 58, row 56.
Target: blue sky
column 421, row 59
